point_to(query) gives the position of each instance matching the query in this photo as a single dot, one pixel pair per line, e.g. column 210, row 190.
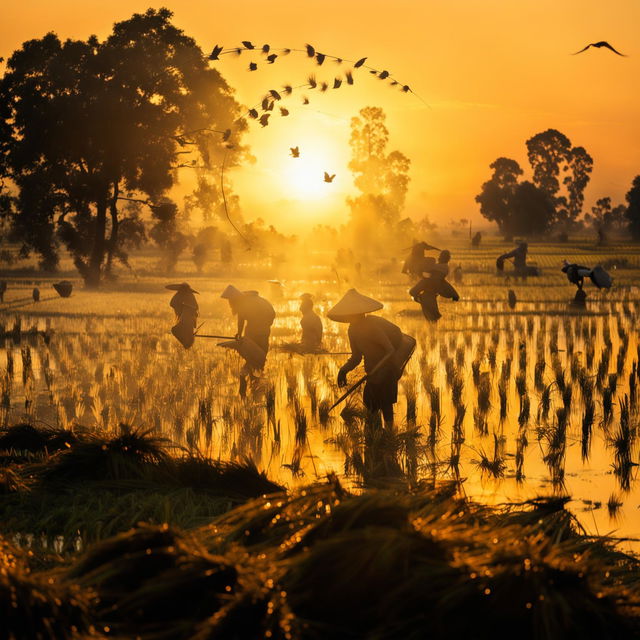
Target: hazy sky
column 494, row 72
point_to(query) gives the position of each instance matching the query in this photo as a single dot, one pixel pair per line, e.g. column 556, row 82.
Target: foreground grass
column 242, row 558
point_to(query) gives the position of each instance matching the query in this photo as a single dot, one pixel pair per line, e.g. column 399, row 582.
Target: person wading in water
column 520, row 267
column 311, row 324
column 255, row 317
column 426, row 290
column 383, row 346
column 415, row 263
column 185, row 306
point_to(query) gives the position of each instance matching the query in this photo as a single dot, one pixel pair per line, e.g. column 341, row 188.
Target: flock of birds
column 270, row 57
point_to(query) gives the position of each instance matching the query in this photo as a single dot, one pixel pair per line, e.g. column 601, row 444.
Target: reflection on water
column 512, row 403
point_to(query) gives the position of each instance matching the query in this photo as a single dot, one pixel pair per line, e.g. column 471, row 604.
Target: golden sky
column 494, row 72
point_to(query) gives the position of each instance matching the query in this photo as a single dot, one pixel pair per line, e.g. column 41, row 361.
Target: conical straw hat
column 230, row 292
column 183, row 286
column 353, row 304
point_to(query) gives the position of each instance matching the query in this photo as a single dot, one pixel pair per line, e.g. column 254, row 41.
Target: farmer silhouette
column 576, row 274
column 415, row 263
column 383, row 346
column 255, row 317
column 310, row 323
column 426, row 290
column 185, row 306
column 519, row 256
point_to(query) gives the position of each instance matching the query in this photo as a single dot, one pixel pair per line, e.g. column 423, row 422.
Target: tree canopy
column 633, row 209
column 86, row 126
column 382, row 177
column 560, row 174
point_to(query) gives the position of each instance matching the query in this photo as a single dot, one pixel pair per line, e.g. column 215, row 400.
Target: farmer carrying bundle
column 434, row 284
column 385, row 349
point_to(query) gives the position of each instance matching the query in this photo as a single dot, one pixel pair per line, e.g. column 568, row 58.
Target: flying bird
column 295, row 152
column 599, row 45
column 264, row 119
column 272, row 58
column 252, row 66
column 328, row 178
column 217, row 50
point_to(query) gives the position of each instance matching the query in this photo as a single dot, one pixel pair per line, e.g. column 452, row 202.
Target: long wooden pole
column 364, row 378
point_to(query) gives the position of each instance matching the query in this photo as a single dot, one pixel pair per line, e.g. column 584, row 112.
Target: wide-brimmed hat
column 231, row 292
column 424, row 246
column 183, row 286
column 353, row 303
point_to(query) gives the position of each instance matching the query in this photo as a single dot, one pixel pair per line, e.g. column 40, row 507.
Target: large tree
column 85, row 125
column 382, row 177
column 556, row 163
column 633, row 209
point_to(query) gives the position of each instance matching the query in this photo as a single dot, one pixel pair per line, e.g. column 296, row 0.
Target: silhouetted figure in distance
column 477, row 238
column 414, row 265
column 185, row 306
column 311, row 324
column 426, row 290
column 519, row 256
column 3, row 288
column 35, row 294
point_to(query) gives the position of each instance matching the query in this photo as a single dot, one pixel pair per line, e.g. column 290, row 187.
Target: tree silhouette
column 533, row 210
column 604, row 217
column 496, row 197
column 87, row 125
column 633, row 209
column 382, row 178
column 552, row 156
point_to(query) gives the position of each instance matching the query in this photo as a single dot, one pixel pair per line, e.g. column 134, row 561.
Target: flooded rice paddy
column 536, row 400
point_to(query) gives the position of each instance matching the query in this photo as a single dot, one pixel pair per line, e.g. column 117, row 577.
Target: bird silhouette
column 252, row 66
column 295, row 152
column 264, row 119
column 217, row 50
column 328, row 178
column 599, row 45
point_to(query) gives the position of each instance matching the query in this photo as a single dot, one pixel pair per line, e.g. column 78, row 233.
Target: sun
column 303, row 178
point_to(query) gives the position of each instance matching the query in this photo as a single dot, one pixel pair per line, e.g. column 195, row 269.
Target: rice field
column 510, row 403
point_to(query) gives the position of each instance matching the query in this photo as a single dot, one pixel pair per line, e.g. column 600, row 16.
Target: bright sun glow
column 302, row 178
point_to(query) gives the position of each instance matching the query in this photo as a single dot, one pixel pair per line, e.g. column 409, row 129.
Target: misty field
column 511, row 403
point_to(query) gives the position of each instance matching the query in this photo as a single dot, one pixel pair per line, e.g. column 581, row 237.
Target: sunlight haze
column 493, row 73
